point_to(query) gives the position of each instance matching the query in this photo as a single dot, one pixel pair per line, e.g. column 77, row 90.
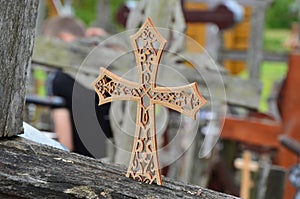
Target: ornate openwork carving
column 148, row 46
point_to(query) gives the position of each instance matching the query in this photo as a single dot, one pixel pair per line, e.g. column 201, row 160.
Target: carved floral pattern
column 148, row 46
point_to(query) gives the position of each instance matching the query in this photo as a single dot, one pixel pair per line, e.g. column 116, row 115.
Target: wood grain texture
column 17, row 25
column 31, row 170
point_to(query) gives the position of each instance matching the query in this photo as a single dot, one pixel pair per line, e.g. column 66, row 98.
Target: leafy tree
column 281, row 14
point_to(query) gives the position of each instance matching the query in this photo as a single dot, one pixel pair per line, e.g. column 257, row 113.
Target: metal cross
column 148, row 46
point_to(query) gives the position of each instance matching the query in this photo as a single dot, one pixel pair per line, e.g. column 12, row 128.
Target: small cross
column 246, row 165
column 148, row 46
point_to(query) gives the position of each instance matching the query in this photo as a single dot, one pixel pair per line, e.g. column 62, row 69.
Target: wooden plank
column 55, row 54
column 242, row 55
column 31, row 170
column 253, row 131
column 255, row 51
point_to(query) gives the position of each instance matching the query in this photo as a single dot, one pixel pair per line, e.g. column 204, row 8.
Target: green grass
column 86, row 10
column 270, row 73
column 274, row 39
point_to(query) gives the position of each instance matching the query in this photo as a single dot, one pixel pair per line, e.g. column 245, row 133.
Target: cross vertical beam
column 148, row 46
column 246, row 165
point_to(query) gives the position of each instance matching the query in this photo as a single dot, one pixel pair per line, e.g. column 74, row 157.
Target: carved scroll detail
column 148, row 46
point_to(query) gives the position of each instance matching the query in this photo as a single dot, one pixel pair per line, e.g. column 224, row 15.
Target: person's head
column 65, row 28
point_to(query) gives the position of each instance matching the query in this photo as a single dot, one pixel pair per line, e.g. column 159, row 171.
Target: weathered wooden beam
column 31, row 170
column 242, row 55
column 55, row 54
column 255, row 50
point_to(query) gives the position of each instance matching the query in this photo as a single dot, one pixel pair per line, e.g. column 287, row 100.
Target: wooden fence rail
column 31, row 170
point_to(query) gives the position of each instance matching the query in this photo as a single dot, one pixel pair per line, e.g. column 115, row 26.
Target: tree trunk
column 17, row 25
column 31, row 170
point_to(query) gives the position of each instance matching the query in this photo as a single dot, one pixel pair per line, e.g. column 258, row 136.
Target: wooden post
column 42, row 13
column 104, row 18
column 246, row 166
column 17, row 25
column 255, row 51
column 275, row 183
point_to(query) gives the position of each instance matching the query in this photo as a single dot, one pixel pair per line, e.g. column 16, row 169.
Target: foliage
column 115, row 5
column 87, row 10
column 281, row 14
column 274, row 39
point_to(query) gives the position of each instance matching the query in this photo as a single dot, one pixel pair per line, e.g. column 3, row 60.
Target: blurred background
column 255, row 47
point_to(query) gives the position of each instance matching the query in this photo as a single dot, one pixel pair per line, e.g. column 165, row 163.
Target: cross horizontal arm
column 184, row 99
column 240, row 164
column 111, row 87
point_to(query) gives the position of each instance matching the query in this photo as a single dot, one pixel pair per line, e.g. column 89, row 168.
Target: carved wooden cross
column 246, row 165
column 148, row 46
